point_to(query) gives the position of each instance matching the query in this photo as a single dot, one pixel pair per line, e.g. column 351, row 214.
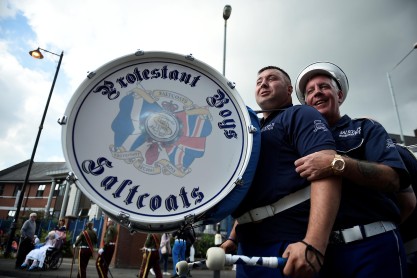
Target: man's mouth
column 319, row 102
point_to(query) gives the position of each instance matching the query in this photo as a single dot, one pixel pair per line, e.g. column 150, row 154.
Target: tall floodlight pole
column 226, row 14
column 394, row 101
column 38, row 55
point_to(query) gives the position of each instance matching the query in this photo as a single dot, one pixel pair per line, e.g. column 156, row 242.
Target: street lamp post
column 38, row 55
column 226, row 14
column 394, row 102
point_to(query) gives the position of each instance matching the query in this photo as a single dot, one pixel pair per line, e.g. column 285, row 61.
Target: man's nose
column 264, row 84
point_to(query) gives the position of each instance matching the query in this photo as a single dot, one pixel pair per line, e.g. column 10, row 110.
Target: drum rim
column 127, row 61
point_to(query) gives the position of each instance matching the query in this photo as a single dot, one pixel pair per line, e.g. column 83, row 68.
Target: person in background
column 86, row 241
column 180, row 246
column 407, row 201
column 165, row 251
column 283, row 214
column 105, row 254
column 27, row 239
column 38, row 255
column 150, row 257
column 36, row 241
column 61, row 231
column 365, row 241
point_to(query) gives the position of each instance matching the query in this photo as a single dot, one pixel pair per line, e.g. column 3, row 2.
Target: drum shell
column 139, row 175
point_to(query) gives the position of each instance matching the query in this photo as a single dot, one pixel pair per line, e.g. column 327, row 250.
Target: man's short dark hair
column 277, row 68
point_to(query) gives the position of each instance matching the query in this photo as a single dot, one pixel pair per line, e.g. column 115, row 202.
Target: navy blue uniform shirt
column 286, row 135
column 365, row 139
column 407, row 228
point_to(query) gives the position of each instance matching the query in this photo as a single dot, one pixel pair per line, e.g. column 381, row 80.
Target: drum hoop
column 125, row 62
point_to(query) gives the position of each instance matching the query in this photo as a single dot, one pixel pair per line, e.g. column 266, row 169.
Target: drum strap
column 282, row 204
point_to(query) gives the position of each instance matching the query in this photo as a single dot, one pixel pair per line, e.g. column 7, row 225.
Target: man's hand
column 100, row 251
column 315, row 166
column 228, row 246
column 298, row 264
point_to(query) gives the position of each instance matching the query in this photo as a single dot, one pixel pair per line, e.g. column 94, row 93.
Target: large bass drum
column 159, row 139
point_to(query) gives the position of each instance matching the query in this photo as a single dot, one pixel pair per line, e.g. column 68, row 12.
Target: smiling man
column 365, row 241
column 278, row 217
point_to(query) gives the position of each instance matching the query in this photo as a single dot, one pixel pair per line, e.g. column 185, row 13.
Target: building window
column 16, row 189
column 1, row 189
column 59, row 189
column 41, row 189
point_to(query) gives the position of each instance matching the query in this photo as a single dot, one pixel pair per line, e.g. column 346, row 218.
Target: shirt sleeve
column 380, row 148
column 309, row 131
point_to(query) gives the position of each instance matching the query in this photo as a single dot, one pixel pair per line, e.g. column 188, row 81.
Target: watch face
column 339, row 165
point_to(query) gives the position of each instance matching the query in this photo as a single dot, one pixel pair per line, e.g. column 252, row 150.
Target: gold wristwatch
column 338, row 164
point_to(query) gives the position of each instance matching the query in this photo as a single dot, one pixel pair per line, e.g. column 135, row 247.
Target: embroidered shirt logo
column 390, row 143
column 268, row 127
column 350, row 132
column 319, row 125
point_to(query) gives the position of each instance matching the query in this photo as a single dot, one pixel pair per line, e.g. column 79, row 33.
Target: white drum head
column 155, row 137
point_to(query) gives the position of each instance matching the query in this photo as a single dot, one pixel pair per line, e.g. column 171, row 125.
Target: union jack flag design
column 194, row 126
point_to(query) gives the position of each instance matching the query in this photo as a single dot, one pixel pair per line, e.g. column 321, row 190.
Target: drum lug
column 139, row 52
column 232, row 85
column 189, row 57
column 252, row 129
column 90, row 74
column 124, row 218
column 63, row 120
column 189, row 219
column 71, row 178
column 239, row 181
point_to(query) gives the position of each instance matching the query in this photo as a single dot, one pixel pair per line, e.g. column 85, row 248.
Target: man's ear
column 340, row 96
column 290, row 89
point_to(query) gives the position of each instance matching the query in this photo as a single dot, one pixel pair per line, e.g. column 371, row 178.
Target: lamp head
column 227, row 11
column 37, row 54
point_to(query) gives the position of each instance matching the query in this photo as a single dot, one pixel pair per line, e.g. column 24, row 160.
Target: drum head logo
column 160, row 132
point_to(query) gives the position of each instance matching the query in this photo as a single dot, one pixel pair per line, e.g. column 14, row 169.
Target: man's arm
column 325, row 200
column 230, row 244
column 406, row 202
column 373, row 175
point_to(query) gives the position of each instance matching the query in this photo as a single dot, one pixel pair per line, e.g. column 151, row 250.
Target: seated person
column 38, row 255
column 61, row 232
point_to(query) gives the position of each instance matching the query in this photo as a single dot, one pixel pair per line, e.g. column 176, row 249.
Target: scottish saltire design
column 160, row 131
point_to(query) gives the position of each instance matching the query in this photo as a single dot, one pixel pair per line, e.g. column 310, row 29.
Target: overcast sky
column 366, row 38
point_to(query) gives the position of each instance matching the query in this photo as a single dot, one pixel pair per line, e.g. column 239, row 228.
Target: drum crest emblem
column 160, row 131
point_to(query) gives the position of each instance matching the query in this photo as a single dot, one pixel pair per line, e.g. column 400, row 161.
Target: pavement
column 7, row 270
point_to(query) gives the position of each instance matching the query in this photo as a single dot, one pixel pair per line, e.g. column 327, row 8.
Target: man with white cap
column 284, row 215
column 365, row 241
column 27, row 238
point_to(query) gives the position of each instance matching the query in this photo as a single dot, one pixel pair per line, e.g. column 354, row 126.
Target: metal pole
column 391, row 88
column 22, row 193
column 226, row 14
column 224, row 48
column 394, row 102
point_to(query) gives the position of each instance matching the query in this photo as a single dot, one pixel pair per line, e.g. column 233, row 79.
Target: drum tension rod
column 189, row 57
column 139, row 52
column 71, row 178
column 63, row 120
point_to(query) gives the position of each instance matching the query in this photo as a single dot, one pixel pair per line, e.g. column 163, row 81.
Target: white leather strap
column 360, row 232
column 282, row 204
